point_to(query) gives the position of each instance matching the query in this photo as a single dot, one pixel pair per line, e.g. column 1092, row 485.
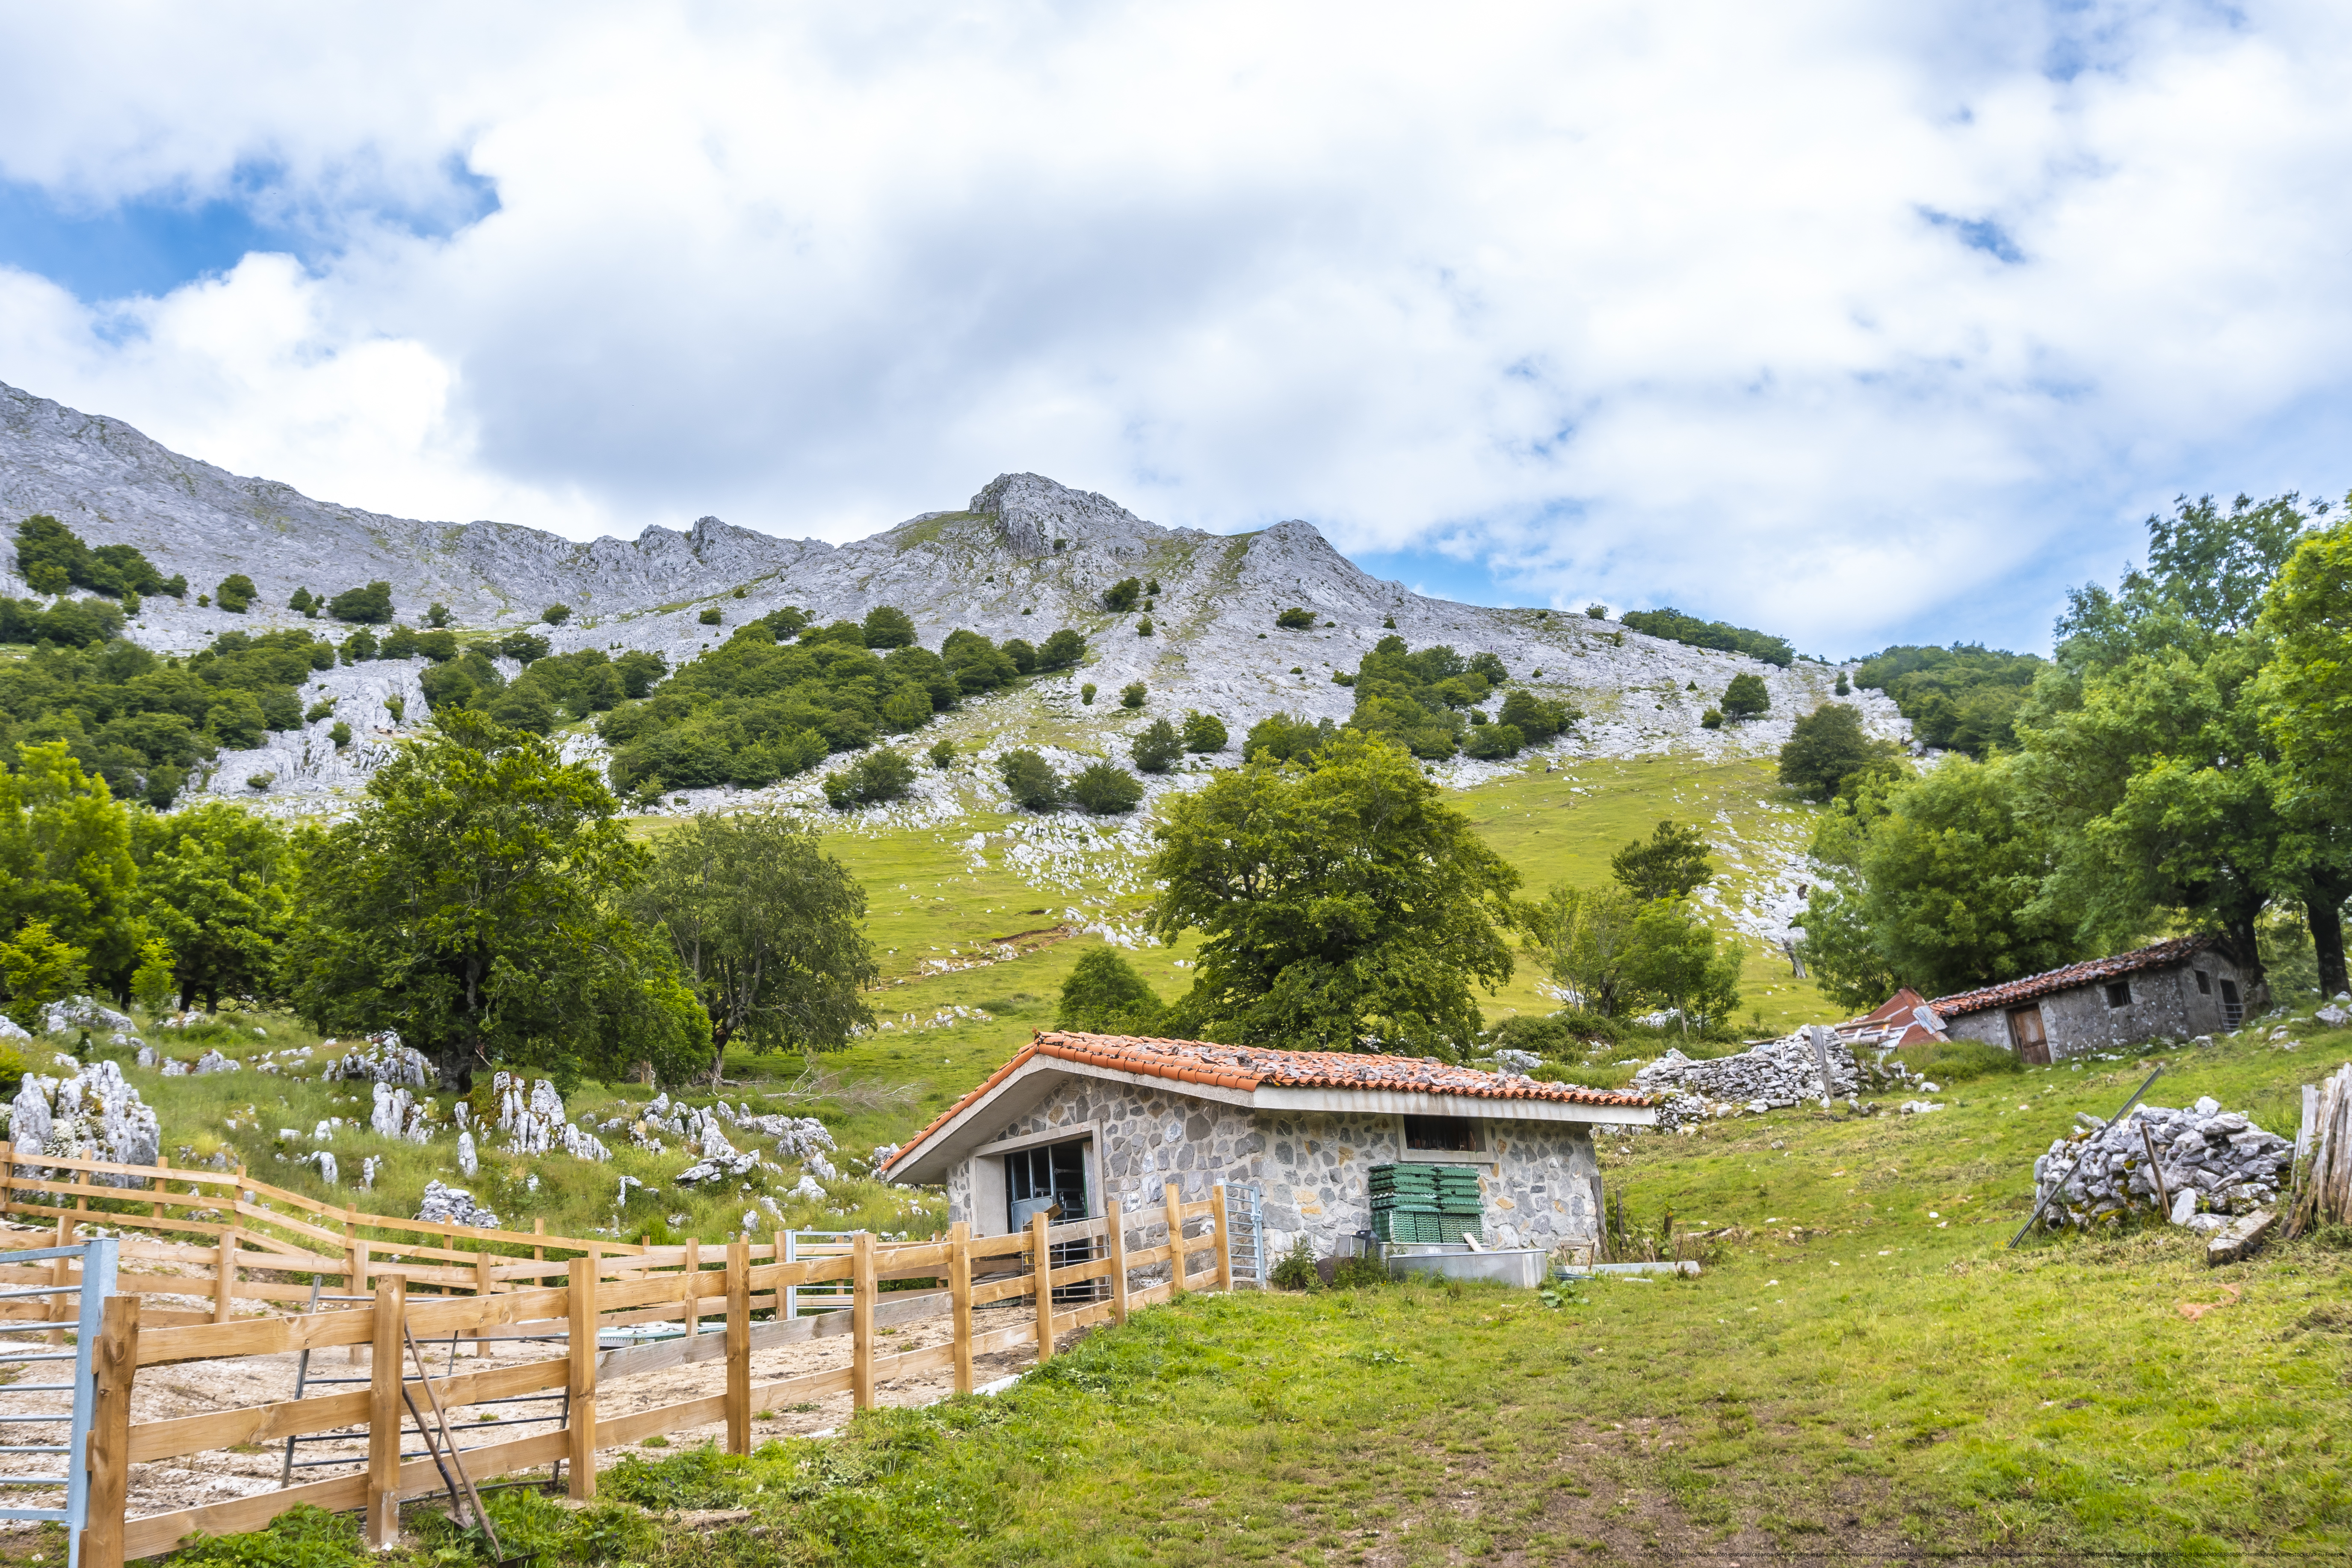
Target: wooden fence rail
column 960, row 1279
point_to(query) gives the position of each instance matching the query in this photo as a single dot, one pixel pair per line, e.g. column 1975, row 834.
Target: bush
column 1356, row 1272
column 370, row 605
column 1023, row 655
column 1287, row 737
column 1063, row 650
column 1131, row 695
column 437, row 613
column 341, row 734
column 1157, row 749
column 235, row 593
column 1105, row 996
column 1143, row 628
column 556, row 615
column 1597, row 612
column 1106, row 789
column 942, row 754
column 1711, row 719
column 1492, row 742
column 1826, row 747
column 1087, row 694
column 1295, row 620
column 1570, row 1032
column 882, row 775
column 1538, row 718
column 1746, row 696
column 1204, row 733
column 1031, row 780
column 711, row 616
column 1675, row 626
column 1122, row 595
column 885, row 628
column 1297, row 1270
column 1844, row 687
column 1956, row 1062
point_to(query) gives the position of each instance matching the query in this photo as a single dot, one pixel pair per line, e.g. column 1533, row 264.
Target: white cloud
column 1629, row 302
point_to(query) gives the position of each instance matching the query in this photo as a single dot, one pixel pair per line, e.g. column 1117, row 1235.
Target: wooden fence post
column 581, row 1428
column 162, row 1162
column 1173, row 1197
column 692, row 1314
column 7, row 1175
column 1042, row 1265
column 1224, row 1253
column 861, row 1320
column 355, row 1276
column 960, row 1300
column 738, row 1347
column 1117, row 1234
column 383, row 1414
column 114, row 1358
column 224, row 1272
column 60, row 1272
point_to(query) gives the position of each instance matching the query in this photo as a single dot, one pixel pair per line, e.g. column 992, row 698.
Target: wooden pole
column 483, row 1286
column 355, row 1265
column 1224, row 1253
column 383, row 1414
column 1117, row 1234
column 692, row 1314
column 224, row 1279
column 960, row 1300
column 1173, row 1197
column 738, row 1347
column 60, row 1272
column 7, row 1175
column 114, row 1358
column 581, row 1428
column 1042, row 1266
column 538, row 1254
column 861, row 1320
column 162, row 1162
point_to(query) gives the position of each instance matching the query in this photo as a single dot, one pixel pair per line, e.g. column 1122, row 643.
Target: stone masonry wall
column 2165, row 1003
column 1313, row 1169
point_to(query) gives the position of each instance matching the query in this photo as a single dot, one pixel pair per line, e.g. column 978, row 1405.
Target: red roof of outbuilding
column 1251, row 1067
column 2011, row 991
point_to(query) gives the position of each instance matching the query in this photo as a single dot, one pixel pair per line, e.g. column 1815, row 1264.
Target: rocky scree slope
column 1024, row 556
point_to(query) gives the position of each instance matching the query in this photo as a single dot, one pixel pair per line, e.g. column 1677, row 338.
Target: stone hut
column 1078, row 1119
column 2187, row 986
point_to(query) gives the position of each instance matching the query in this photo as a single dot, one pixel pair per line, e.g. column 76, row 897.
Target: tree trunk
column 719, row 1034
column 2248, row 956
column 2323, row 910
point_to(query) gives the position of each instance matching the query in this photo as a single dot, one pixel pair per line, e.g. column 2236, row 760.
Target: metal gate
column 81, row 1277
column 1245, row 1239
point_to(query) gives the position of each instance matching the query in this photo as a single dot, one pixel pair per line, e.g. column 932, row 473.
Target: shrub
column 1826, row 747
column 885, row 628
column 1844, row 687
column 942, row 754
column 397, row 707
column 1105, row 996
column 360, row 647
column 436, row 614
column 341, row 734
column 1287, row 737
column 370, row 605
column 235, row 593
column 1711, row 719
column 1297, row 1270
column 525, row 647
column 711, row 616
column 1031, row 780
column 1143, row 628
column 1151, row 588
column 556, row 615
column 1087, row 694
column 1356, row 1272
column 1122, row 595
column 1062, row 650
column 881, row 774
column 302, row 602
column 1023, row 654
column 1956, row 1062
column 1538, row 718
column 1295, row 620
column 1204, row 733
column 1597, row 612
column 1131, row 695
column 1492, row 742
column 1676, row 627
column 1157, row 749
column 319, row 710
column 1106, row 789
column 1746, row 696
column 1387, row 623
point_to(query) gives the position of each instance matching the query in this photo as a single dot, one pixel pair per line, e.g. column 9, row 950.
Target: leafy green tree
column 370, row 604
column 1827, row 747
column 1964, row 698
column 302, row 602
column 1338, row 901
column 1204, row 733
column 1676, row 627
column 1295, row 619
column 38, row 968
column 1581, row 938
column 151, row 983
column 476, row 903
column 1158, row 748
column 877, row 776
column 766, row 928
column 1746, row 696
column 1536, row 718
column 66, row 862
column 1063, row 650
column 1671, row 863
column 1022, row 653
column 942, row 754
column 1492, row 742
column 1105, row 996
column 437, row 615
column 556, row 615
column 1675, row 960
column 1106, row 789
column 1131, row 695
column 1288, row 737
column 1030, row 779
column 1841, row 950
column 218, row 884
column 885, row 627
column 235, row 593
column 1121, row 596
column 2304, row 697
column 49, row 554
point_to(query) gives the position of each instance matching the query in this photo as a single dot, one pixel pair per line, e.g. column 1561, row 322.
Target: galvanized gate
column 82, row 1277
column 1245, row 1238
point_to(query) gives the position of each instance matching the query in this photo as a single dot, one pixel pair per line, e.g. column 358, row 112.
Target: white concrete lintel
column 1407, row 1102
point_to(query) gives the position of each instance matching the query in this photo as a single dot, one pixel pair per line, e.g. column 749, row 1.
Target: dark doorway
column 1054, row 1172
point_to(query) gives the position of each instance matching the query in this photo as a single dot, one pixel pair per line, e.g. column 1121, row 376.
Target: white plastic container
column 1519, row 1265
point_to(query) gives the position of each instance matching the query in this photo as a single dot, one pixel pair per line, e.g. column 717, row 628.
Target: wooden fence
column 951, row 1278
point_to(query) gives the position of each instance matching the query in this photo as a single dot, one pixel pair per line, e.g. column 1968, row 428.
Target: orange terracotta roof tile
column 2071, row 976
column 1248, row 1067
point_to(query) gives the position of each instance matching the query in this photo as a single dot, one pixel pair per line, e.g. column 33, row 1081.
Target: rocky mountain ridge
column 1024, row 556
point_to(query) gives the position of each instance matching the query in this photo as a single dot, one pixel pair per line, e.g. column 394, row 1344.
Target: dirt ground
column 194, row 1388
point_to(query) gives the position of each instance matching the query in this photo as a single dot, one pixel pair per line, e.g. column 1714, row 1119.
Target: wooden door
column 2025, row 1034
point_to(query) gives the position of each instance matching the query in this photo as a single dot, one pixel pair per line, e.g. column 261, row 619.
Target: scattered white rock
column 213, row 1061
column 93, row 1113
column 453, row 1205
column 2211, row 1162
column 383, row 1059
column 81, row 1013
column 468, row 1163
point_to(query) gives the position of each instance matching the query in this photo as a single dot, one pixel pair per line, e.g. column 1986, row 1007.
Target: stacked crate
column 1425, row 1204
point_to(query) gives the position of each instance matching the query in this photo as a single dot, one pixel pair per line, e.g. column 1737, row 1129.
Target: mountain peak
column 1031, row 512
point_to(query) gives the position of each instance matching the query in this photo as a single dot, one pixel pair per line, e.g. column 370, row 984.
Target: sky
column 1855, row 322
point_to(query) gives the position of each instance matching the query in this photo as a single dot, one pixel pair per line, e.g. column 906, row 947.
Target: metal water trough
column 1521, row 1265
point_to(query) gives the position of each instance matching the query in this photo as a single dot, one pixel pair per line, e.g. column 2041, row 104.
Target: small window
column 1444, row 1134
column 2119, row 994
column 2204, row 982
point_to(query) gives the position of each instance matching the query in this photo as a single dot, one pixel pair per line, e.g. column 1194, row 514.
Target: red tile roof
column 2009, row 993
column 1249, row 1067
